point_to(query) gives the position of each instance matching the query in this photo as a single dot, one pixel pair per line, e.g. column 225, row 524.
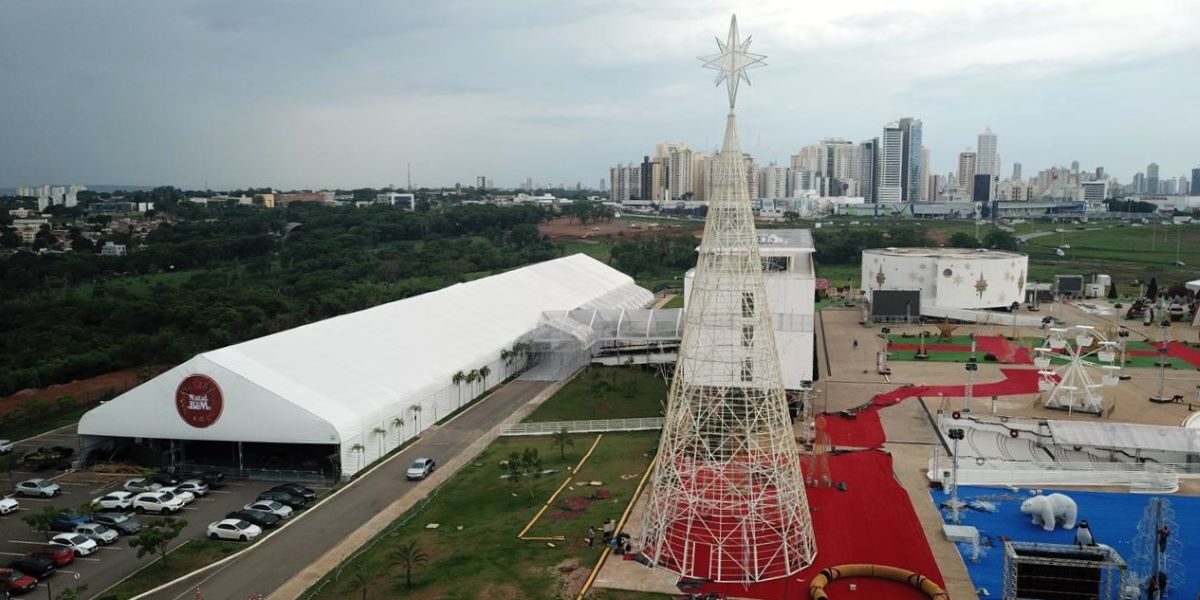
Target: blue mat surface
column 1113, row 519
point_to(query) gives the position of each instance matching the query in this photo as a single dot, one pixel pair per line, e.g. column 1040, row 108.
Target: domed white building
column 945, row 278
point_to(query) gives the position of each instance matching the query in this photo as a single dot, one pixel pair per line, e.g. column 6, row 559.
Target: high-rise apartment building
column 751, row 174
column 626, row 183
column 987, row 160
column 967, row 164
column 1152, row 178
column 1016, row 175
column 928, row 192
column 910, row 172
column 773, row 181
column 868, row 161
column 1196, row 182
column 653, row 183
column 1074, row 166
column 890, row 182
column 677, row 165
column 1100, row 174
column 1139, row 183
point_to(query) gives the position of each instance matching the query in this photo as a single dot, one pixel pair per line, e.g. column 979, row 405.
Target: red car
column 16, row 581
column 61, row 556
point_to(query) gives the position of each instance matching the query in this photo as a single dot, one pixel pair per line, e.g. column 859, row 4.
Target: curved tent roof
column 333, row 380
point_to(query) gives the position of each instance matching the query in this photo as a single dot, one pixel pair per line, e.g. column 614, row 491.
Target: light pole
column 921, row 355
column 954, row 504
column 883, row 355
column 1122, row 335
column 970, row 389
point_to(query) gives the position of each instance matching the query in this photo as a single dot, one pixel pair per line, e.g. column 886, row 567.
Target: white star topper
column 733, row 61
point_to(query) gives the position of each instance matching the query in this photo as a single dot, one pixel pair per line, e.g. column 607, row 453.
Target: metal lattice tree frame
column 1084, row 571
column 1157, row 564
column 728, row 500
column 1084, row 367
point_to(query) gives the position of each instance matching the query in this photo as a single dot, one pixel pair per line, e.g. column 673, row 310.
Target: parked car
column 296, row 502
column 8, row 506
column 262, row 518
column 186, row 497
column 233, row 529
column 60, row 555
column 164, row 478
column 16, row 581
column 214, row 479
column 48, row 457
column 6, row 446
column 195, row 487
column 157, row 502
column 68, row 521
column 141, row 484
column 420, row 469
column 114, row 501
column 124, row 524
column 43, row 488
column 99, row 532
column 280, row 510
column 296, row 489
column 80, row 544
column 33, row 566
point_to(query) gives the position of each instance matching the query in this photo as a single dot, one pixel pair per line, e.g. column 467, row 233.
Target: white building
column 625, row 183
column 988, row 158
column 773, row 181
column 789, row 276
column 112, row 249
column 405, row 201
column 342, row 392
column 950, row 278
column 891, row 164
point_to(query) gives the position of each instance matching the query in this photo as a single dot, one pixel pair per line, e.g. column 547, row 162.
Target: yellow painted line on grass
column 620, row 525
column 554, row 496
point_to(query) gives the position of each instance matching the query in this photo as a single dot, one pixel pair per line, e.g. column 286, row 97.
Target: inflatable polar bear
column 1046, row 510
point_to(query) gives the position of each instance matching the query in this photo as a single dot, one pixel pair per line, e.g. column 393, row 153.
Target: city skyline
column 314, row 97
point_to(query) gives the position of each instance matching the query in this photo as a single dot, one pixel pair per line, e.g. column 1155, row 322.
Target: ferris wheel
column 1074, row 364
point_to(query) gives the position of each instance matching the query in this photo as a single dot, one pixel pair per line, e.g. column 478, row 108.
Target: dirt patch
column 569, row 508
column 83, row 391
column 497, row 590
column 571, row 577
column 938, row 236
column 571, row 229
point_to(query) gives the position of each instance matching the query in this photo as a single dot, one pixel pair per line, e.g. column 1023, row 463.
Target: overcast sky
column 329, row 94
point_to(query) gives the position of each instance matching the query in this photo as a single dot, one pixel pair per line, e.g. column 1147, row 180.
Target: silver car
column 43, row 488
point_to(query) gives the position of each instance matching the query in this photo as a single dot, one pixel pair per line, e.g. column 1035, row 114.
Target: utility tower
column 728, row 501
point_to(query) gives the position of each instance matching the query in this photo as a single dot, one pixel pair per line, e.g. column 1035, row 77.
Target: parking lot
column 116, row 561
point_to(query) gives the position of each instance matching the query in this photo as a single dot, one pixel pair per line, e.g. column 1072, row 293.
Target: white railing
column 592, row 426
column 1138, row 477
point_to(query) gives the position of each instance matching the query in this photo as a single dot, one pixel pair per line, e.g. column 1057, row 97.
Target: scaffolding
column 728, row 502
column 1063, row 572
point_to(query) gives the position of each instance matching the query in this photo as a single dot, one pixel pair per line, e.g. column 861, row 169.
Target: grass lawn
column 182, row 560
column 1126, row 253
column 597, row 250
column 907, row 355
column 605, row 393
column 676, row 302
column 475, row 553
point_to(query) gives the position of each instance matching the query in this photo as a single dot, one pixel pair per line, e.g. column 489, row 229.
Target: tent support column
column 241, row 468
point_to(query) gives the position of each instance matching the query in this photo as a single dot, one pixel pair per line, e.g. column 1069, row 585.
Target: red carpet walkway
column 864, row 430
column 1004, row 350
column 871, row 522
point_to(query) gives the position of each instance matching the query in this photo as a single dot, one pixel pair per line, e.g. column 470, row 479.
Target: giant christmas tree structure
column 728, row 501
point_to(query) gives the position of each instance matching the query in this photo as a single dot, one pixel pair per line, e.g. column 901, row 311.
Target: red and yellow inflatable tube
column 816, row 589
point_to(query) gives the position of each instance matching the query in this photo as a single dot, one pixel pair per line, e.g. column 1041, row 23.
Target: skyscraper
column 1100, row 174
column 868, row 166
column 1196, row 182
column 773, row 181
column 890, row 181
column 1152, row 178
column 626, row 182
column 751, row 168
column 677, row 164
column 968, row 163
column 987, row 160
column 1074, row 166
column 910, row 172
column 727, row 500
column 652, row 187
column 1016, row 176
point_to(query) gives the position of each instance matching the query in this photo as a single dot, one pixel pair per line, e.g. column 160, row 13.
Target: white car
column 38, row 487
column 141, row 484
column 9, row 506
column 114, row 501
column 194, row 487
column 280, row 510
column 420, row 469
column 97, row 532
column 233, row 529
column 6, row 446
column 81, row 544
column 159, row 502
column 187, row 497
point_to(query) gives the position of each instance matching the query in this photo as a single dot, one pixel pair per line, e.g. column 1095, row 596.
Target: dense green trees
column 200, row 285
column 962, row 239
column 649, row 255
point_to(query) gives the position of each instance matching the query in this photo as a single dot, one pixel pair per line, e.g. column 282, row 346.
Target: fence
column 593, row 426
column 1146, row 478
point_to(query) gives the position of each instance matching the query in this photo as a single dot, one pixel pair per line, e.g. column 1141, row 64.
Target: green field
column 474, row 552
column 676, row 302
column 597, row 250
column 605, row 393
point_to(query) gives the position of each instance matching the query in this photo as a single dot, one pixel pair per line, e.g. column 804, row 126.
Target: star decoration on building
column 733, row 61
column 981, row 285
column 880, row 277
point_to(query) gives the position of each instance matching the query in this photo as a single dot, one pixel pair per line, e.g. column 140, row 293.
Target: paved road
column 283, row 555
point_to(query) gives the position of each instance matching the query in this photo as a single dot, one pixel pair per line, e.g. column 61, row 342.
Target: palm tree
column 360, row 449
column 484, row 371
column 457, row 380
column 472, row 377
column 360, row 581
column 381, row 432
column 561, row 439
column 506, row 355
column 398, row 424
column 409, row 556
column 416, row 411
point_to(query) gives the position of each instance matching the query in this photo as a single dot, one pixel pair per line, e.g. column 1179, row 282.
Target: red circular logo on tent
column 199, row 400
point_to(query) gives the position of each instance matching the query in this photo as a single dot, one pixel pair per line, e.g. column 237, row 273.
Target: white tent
column 344, row 381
